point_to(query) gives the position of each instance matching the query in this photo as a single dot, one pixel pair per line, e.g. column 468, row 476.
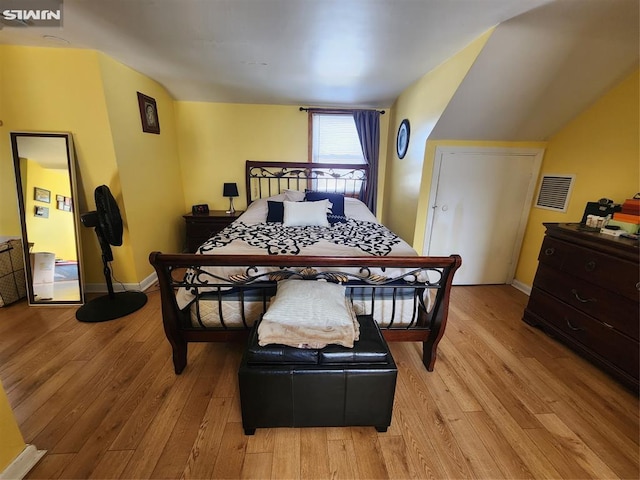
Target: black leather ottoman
column 334, row 386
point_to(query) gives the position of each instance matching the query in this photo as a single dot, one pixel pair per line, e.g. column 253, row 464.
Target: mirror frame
column 71, row 167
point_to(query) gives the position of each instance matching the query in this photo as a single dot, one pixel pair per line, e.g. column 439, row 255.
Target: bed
column 303, row 222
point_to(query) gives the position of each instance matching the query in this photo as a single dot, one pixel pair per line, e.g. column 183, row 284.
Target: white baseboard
column 23, row 463
column 121, row 287
column 523, row 287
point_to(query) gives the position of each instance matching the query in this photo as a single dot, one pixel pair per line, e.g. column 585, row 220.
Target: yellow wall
column 93, row 97
column 422, row 103
column 59, row 90
column 601, row 147
column 215, row 140
column 56, row 233
column 11, row 441
column 151, row 193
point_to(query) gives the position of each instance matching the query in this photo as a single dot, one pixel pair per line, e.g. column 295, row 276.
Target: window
column 334, row 139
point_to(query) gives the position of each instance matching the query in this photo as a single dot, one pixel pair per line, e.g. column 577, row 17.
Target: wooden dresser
column 202, row 226
column 585, row 293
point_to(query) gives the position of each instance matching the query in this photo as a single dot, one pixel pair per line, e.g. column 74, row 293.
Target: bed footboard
column 216, row 298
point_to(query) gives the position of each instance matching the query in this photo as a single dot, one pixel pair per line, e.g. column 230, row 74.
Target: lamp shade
column 230, row 190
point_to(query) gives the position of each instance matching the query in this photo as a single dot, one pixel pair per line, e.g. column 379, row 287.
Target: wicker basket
column 12, row 279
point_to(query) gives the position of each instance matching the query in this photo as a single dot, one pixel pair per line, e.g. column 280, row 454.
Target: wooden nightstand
column 203, row 226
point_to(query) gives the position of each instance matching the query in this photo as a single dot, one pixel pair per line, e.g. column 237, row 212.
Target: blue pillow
column 337, row 199
column 275, row 211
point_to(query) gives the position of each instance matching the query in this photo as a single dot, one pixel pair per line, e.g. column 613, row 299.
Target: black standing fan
column 108, row 226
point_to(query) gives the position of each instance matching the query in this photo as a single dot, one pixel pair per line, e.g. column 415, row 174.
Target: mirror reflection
column 45, row 181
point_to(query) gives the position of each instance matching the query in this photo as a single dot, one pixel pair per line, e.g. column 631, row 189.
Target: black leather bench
column 282, row 386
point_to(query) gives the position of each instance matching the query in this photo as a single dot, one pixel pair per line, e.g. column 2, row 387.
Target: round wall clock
column 402, row 141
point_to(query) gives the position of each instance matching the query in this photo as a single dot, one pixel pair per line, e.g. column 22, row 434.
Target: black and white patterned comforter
column 357, row 236
column 361, row 235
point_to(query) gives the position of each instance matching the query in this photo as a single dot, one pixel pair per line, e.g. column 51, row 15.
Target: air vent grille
column 554, row 192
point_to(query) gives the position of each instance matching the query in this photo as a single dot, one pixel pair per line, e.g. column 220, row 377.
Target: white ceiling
column 541, row 69
column 308, row 52
column 49, row 152
column 546, row 61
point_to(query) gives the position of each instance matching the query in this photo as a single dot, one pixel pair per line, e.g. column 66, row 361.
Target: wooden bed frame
column 264, row 179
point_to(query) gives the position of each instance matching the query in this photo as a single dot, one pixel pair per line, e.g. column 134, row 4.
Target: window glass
column 335, row 139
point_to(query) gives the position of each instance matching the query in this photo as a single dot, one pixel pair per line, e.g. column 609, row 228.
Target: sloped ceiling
column 545, row 62
column 308, row 52
column 539, row 70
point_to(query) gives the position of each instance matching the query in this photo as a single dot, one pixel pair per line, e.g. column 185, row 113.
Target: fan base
column 105, row 308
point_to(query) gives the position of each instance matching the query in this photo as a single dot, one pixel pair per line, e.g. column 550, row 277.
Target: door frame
column 441, row 151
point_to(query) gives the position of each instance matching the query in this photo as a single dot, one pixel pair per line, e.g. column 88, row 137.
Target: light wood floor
column 504, row 401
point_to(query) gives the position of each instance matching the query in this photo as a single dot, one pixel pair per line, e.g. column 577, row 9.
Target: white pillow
column 309, row 314
column 293, row 195
column 304, row 214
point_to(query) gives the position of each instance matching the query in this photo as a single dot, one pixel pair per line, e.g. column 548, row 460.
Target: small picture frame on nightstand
column 200, row 209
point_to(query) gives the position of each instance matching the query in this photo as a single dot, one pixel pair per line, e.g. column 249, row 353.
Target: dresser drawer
column 204, row 229
column 611, row 273
column 607, row 307
column 610, row 345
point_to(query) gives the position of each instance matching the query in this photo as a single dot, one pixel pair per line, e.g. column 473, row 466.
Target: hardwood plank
column 501, row 451
column 314, row 453
column 584, row 418
column 256, row 466
column 368, row 453
column 206, row 445
column 394, row 452
column 157, row 434
column 43, row 394
column 111, row 464
column 105, row 400
column 575, row 447
column 50, row 466
column 179, row 446
column 156, row 385
column 341, row 459
column 286, row 453
column 509, row 428
column 96, row 388
column 233, row 444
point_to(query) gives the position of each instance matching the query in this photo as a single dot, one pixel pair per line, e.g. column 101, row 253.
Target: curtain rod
column 336, row 110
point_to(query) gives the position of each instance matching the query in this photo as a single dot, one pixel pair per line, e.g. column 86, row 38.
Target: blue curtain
column 368, row 126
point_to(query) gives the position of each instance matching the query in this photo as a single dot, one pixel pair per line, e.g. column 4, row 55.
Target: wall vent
column 554, row 192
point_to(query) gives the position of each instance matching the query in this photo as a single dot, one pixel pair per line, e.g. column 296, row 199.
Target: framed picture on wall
column 41, row 212
column 41, row 195
column 63, row 203
column 148, row 114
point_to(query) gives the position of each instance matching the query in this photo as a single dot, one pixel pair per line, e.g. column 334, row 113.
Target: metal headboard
column 265, row 179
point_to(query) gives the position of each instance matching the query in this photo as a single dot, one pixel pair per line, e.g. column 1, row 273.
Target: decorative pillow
column 293, row 195
column 275, row 211
column 337, row 200
column 304, row 214
column 309, row 314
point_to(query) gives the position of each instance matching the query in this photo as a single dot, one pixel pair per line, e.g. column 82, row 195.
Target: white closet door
column 479, row 211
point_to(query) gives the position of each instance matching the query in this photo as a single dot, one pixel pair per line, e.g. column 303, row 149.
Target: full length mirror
column 46, row 186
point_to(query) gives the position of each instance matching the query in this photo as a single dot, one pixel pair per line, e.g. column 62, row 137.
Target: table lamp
column 230, row 190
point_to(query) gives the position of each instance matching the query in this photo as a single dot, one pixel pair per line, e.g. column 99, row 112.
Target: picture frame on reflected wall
column 41, row 195
column 42, row 212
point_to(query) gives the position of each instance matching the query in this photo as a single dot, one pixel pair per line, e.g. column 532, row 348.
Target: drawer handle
column 580, row 299
column 550, row 251
column 590, row 266
column 575, row 329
